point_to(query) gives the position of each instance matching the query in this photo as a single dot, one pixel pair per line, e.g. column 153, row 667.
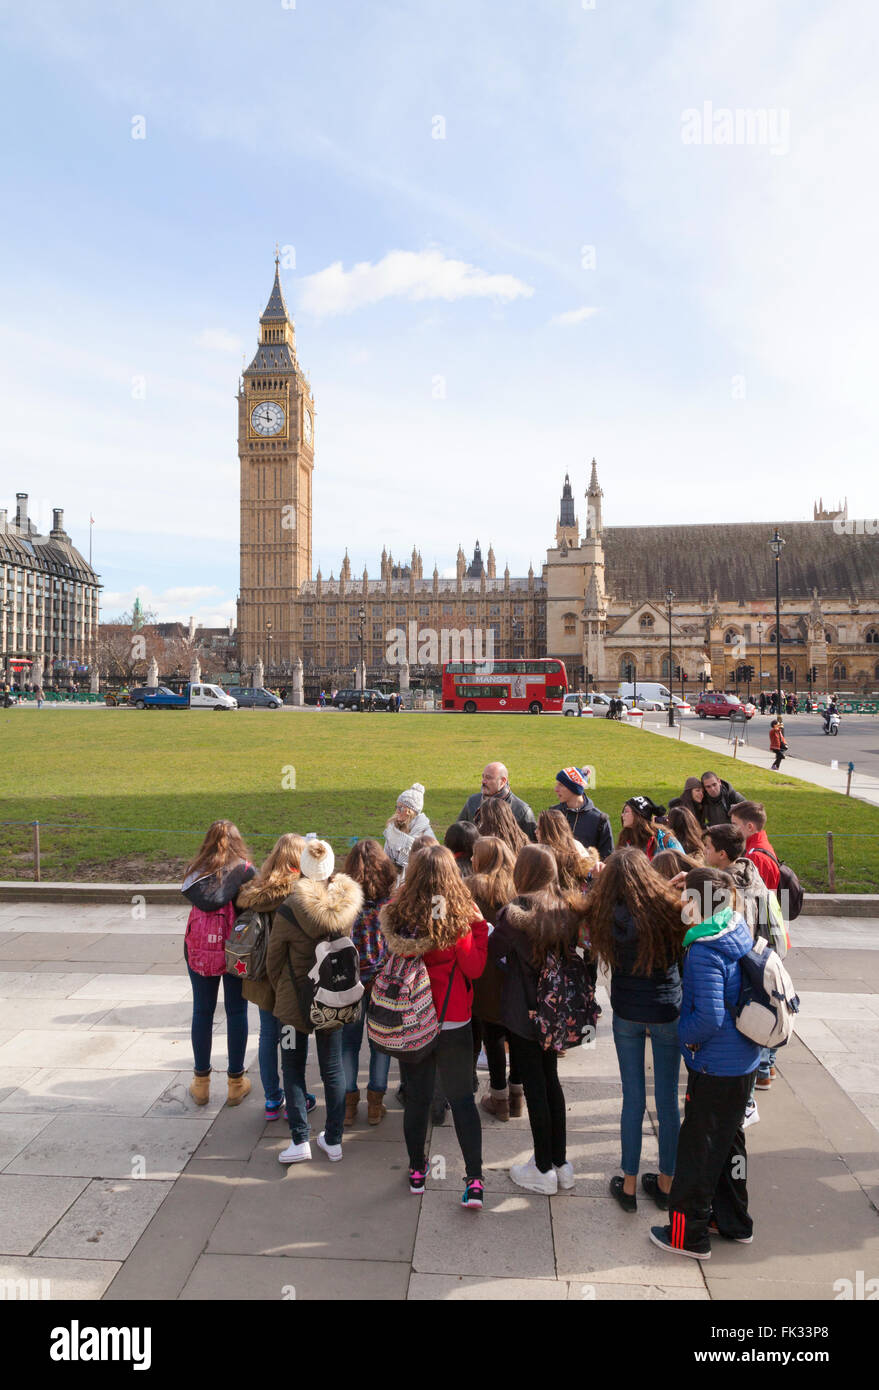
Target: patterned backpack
column 401, row 1019
column 566, row 1009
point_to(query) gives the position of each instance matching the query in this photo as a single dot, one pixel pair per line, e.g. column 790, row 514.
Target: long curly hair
column 367, row 863
column 434, row 900
column 629, row 878
column 555, row 834
column 491, row 883
column 282, row 863
column 494, row 817
column 554, row 926
column 221, row 849
column 687, row 829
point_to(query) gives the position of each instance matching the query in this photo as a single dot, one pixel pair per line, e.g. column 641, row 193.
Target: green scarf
column 712, row 926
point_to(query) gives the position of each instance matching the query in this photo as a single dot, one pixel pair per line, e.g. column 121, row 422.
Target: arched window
column 787, row 673
column 570, row 622
column 872, row 634
column 627, row 661
column 829, row 635
column 839, row 671
column 646, row 622
column 731, row 636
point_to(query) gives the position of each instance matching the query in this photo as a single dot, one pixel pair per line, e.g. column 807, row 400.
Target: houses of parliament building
column 599, row 603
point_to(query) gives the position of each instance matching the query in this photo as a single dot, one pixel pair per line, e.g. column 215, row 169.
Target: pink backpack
column 206, row 937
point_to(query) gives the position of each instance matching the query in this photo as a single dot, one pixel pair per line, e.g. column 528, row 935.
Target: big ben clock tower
column 276, row 449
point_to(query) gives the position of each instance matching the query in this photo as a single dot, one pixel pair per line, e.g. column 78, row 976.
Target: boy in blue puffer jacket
column 709, row 1193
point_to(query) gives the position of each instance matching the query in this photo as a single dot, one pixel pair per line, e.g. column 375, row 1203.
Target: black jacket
column 590, row 826
column 521, row 810
column 717, row 809
column 509, row 947
column 652, row 998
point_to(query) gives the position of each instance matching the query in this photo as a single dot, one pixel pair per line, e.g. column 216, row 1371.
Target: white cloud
column 414, row 275
column 217, row 340
column 574, row 315
column 205, row 603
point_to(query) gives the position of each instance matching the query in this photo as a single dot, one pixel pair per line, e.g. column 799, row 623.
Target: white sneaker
column 565, row 1174
column 751, row 1115
column 529, row 1176
column 332, row 1151
column 295, row 1153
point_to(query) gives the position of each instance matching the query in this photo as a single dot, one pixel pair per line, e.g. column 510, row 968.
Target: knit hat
column 413, row 796
column 643, row 806
column 317, row 860
column 691, row 783
column 573, row 779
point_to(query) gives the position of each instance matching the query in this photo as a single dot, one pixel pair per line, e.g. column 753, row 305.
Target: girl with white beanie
column 406, row 824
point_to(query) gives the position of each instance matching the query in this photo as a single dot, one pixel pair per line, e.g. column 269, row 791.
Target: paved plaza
column 114, row 1185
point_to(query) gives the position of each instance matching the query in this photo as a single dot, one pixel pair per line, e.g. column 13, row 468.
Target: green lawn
column 158, row 778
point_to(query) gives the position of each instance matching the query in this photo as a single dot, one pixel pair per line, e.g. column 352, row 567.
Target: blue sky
column 714, row 349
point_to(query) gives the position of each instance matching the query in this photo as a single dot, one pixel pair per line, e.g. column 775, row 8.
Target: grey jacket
column 521, row 810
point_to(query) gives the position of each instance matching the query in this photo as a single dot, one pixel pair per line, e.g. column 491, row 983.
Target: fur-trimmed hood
column 324, row 909
column 400, row 945
column 264, row 897
column 523, row 915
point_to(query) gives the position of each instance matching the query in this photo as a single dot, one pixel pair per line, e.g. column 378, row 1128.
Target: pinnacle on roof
column 277, row 306
column 593, row 481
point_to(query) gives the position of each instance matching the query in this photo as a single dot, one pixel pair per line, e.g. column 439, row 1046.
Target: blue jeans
column 379, row 1062
column 767, row 1060
column 294, row 1055
column 205, row 991
column 269, row 1038
column 629, row 1039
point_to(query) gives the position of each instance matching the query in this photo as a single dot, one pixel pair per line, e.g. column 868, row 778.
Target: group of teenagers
column 668, row 912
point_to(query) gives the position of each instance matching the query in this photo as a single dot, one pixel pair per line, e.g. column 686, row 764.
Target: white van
column 645, row 690
column 210, row 697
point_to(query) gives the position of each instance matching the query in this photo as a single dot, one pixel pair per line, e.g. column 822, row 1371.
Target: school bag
column 331, row 992
column 248, row 945
column 401, row 1019
column 566, row 1010
column 790, row 890
column 768, row 1001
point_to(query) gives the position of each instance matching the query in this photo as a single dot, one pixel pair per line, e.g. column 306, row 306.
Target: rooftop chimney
column 58, row 523
column 21, row 510
column 2, row 520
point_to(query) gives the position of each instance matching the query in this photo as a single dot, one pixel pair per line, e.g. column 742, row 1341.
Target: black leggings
column 452, row 1058
column 545, row 1100
column 492, row 1037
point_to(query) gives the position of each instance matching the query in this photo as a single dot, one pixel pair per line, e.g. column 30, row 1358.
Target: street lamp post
column 269, row 635
column 361, row 614
column 760, row 655
column 669, row 600
column 776, row 545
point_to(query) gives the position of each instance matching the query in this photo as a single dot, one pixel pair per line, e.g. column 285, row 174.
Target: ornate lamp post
column 361, row 615
column 269, row 635
column 669, row 600
column 776, row 545
column 760, row 654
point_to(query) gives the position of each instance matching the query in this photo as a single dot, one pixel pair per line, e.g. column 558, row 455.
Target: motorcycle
column 831, row 725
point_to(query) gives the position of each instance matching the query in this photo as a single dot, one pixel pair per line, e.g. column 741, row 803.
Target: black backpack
column 790, row 891
column 248, row 945
column 566, row 1010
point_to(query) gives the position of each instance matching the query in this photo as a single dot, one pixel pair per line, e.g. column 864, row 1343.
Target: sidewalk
column 114, row 1185
column 834, row 779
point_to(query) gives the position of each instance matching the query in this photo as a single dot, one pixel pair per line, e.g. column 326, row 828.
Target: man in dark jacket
column 495, row 785
column 589, row 826
column 720, row 798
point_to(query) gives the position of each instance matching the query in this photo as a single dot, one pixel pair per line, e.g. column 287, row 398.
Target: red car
column 716, row 705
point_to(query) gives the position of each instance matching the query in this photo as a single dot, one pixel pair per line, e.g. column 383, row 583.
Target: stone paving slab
column 104, row 1146
column 44, row 1047
column 512, row 1233
column 449, row 1288
column 86, row 1090
column 106, row 1220
column 16, row 1132
column 30, row 1207
column 138, row 986
column 285, row 1278
column 596, row 1242
column 55, row 946
column 75, row 1281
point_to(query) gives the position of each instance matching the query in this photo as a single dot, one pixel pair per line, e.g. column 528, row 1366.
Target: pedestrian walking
column 709, row 1194
column 632, row 919
column 212, row 882
column 451, row 942
column 368, row 865
column 777, row 743
column 321, row 906
column 538, row 922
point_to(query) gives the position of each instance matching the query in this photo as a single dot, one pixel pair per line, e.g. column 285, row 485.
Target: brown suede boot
column 239, row 1087
column 376, row 1108
column 200, row 1089
column 497, row 1103
column 517, row 1101
column 352, row 1100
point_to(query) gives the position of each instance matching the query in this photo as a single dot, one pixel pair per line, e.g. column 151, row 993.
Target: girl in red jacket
column 434, row 916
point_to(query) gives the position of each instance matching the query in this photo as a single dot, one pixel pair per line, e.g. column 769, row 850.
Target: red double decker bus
column 513, row 687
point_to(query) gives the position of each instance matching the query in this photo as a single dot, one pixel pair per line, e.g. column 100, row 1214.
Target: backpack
column 790, row 890
column 768, row 1001
column 566, row 1011
column 248, row 945
column 401, row 1019
column 331, row 992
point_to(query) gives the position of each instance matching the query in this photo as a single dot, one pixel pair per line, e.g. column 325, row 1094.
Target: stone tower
column 595, row 598
column 276, row 450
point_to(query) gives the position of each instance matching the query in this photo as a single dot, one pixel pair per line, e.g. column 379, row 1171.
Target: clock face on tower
column 267, row 418
column 309, row 428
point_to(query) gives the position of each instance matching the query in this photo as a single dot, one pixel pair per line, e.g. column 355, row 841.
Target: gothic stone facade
column 599, row 603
